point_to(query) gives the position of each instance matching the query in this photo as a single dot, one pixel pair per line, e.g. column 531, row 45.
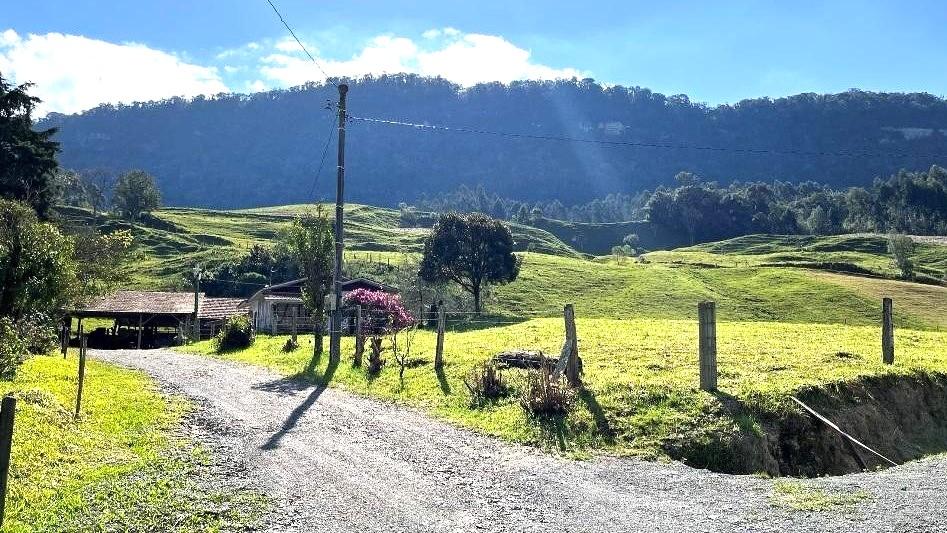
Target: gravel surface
column 333, row 461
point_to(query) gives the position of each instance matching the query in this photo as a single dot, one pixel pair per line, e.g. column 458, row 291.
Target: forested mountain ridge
column 248, row 150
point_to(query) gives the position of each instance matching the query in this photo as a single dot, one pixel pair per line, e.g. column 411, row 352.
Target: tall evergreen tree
column 27, row 157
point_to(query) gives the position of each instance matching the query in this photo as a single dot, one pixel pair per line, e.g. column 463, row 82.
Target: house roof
column 285, row 291
column 219, row 308
column 141, row 302
column 160, row 303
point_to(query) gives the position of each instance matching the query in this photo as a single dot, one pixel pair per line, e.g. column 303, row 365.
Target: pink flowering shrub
column 381, row 312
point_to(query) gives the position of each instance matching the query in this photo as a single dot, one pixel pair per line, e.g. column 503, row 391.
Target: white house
column 271, row 308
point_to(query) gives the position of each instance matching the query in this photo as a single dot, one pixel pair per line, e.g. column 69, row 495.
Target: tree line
column 236, row 150
column 701, row 210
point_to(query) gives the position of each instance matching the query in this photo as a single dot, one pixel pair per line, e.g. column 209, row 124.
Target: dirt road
column 332, row 461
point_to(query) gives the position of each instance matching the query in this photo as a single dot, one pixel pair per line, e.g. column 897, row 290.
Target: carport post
column 139, row 331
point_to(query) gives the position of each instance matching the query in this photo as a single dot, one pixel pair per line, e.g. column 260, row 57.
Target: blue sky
column 81, row 53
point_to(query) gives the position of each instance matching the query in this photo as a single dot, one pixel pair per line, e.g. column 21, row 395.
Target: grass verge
column 120, row 467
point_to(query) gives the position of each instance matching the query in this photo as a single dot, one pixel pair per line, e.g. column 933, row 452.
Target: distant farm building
column 272, row 309
column 148, row 318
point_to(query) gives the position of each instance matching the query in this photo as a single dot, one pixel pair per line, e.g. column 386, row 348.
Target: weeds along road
column 332, row 461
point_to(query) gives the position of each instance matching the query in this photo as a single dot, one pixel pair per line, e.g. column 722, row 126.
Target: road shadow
column 292, row 385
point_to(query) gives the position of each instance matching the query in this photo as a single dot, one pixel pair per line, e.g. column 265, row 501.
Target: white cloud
column 72, row 73
column 464, row 58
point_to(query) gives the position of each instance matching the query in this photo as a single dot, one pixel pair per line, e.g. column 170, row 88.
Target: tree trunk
column 317, row 339
column 476, row 295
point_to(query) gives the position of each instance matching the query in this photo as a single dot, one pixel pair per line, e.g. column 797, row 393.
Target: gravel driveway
column 333, row 461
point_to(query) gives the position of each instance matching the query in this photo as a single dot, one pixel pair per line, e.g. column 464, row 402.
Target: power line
column 636, row 144
column 325, row 150
column 300, row 43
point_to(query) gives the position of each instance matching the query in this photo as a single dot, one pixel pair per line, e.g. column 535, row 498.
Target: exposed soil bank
column 901, row 417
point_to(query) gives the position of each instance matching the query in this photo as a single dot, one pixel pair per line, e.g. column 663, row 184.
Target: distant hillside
column 171, row 241
column 235, row 151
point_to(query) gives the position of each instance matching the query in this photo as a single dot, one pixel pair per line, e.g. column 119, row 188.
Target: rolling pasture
column 792, row 317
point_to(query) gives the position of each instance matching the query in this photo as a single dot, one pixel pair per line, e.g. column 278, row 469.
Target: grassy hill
column 172, row 240
column 859, row 254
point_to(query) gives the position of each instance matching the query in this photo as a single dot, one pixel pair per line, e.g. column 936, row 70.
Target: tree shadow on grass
column 291, row 385
column 475, row 323
column 442, row 380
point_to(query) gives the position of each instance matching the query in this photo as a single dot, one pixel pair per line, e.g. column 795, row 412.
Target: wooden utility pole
column 335, row 334
column 707, row 315
column 887, row 331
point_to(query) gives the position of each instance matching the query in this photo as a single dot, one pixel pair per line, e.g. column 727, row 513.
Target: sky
column 81, row 53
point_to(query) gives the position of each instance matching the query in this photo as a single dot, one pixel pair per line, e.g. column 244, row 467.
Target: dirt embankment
column 901, row 417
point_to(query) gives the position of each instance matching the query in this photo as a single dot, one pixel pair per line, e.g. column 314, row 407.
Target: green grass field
column 641, row 376
column 787, row 324
column 847, row 253
column 119, row 468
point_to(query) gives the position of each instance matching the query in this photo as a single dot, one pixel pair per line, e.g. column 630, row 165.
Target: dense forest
column 701, row 211
column 236, row 150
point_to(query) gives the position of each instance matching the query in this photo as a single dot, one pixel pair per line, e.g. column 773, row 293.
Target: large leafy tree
column 471, row 250
column 37, row 264
column 27, row 157
column 309, row 240
column 135, row 193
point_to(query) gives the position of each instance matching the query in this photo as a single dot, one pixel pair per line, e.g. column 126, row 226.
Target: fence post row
column 439, row 350
column 887, row 331
column 7, row 411
column 707, row 317
column 82, row 354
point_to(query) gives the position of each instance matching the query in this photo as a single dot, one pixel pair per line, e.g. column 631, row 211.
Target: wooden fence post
column 7, row 410
column 64, row 331
column 439, row 350
column 295, row 310
column 887, row 331
column 572, row 364
column 359, row 337
column 707, row 315
column 82, row 350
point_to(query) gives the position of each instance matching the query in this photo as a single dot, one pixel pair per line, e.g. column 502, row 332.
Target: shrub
column 485, row 382
column 901, row 248
column 13, row 349
column 236, row 333
column 291, row 345
column 37, row 331
column 545, row 395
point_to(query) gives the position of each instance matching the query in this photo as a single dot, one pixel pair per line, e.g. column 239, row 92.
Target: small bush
column 485, row 382
column 545, row 395
column 38, row 333
column 235, row 334
column 13, row 350
column 290, row 345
